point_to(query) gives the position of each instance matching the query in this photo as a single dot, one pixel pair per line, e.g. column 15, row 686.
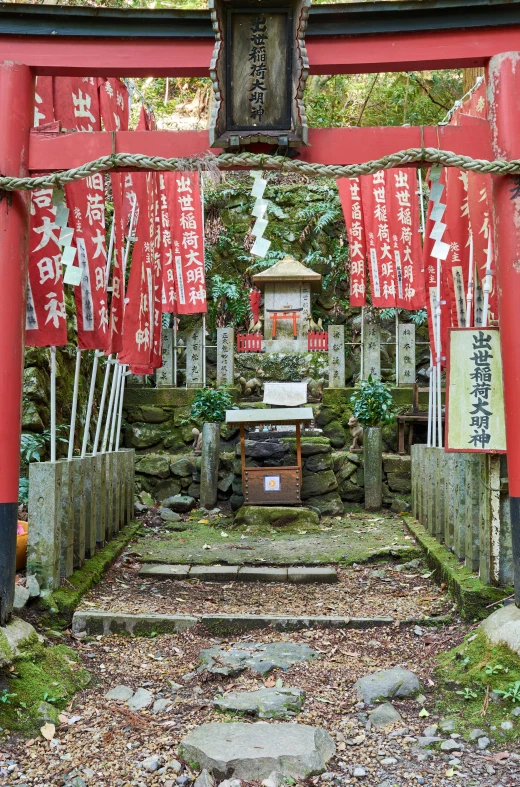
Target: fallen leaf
column 423, row 713
column 450, row 772
column 63, row 718
column 206, row 546
column 203, row 521
column 224, row 535
column 48, row 731
column 270, row 682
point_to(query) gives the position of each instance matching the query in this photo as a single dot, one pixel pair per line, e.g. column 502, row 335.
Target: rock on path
column 258, row 657
column 254, row 751
column 387, row 684
column 264, row 703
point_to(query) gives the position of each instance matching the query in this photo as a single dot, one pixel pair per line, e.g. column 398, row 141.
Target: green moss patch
column 471, row 595
column 42, row 674
column 63, row 601
column 467, row 676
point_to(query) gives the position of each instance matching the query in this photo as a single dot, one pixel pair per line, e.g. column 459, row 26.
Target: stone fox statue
column 356, row 430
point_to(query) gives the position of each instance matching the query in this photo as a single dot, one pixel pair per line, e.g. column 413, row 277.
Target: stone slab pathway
column 298, row 575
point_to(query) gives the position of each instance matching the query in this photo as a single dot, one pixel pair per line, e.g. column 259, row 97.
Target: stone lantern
column 287, row 288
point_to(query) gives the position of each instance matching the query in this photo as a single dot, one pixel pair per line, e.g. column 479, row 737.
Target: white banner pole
column 72, row 429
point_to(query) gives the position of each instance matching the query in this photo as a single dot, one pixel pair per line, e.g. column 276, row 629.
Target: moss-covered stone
column 153, row 415
column 31, row 418
column 167, row 488
column 318, row 484
column 35, row 384
column 398, row 482
column 329, row 504
column 350, row 491
column 318, row 463
column 394, row 463
column 472, row 596
column 141, row 435
column 182, row 466
column 157, row 465
column 44, row 678
column 260, row 517
column 309, row 445
column 336, row 433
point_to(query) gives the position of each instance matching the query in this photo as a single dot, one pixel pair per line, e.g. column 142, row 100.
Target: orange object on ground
column 21, row 544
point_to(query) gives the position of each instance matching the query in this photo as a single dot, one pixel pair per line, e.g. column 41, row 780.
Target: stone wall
column 462, row 500
column 157, row 427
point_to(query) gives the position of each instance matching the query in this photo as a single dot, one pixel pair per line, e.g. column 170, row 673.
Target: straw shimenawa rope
column 209, row 162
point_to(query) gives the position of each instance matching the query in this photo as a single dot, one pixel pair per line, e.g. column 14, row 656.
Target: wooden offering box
column 271, row 486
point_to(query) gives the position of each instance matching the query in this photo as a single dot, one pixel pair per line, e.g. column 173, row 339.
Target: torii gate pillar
column 504, row 109
column 16, row 112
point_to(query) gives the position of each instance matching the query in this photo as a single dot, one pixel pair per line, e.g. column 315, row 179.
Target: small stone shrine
column 287, row 286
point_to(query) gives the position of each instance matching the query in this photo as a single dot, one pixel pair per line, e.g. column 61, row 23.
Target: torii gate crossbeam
column 351, row 38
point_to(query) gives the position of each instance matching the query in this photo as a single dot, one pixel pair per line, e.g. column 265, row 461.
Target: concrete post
column 109, row 493
column 460, row 507
column 79, row 509
column 116, row 491
column 439, row 493
column 473, row 475
column 225, row 356
column 430, row 490
column 67, row 519
column 493, row 463
column 164, row 375
column 209, row 465
column 100, row 485
column 373, row 463
column 122, row 481
column 414, row 469
column 90, row 505
column 336, row 356
column 371, row 350
column 449, row 501
column 194, row 359
column 43, row 545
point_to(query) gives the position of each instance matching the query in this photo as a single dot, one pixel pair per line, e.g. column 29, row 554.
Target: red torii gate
column 406, row 35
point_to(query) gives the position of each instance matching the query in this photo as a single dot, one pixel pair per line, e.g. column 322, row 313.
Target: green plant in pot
column 209, row 407
column 373, row 406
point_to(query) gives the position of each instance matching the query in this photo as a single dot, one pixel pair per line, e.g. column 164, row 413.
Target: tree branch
column 432, row 99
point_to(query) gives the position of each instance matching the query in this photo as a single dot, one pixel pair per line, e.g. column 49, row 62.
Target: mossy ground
column 463, row 669
column 42, row 673
column 353, row 538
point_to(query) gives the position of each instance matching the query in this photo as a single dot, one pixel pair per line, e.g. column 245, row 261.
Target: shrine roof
column 276, row 415
column 288, row 270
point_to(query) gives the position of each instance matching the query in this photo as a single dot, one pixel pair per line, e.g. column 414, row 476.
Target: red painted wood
column 191, row 57
column 504, row 80
column 16, row 104
column 327, row 145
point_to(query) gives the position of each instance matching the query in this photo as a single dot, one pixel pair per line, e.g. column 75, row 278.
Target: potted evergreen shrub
column 209, row 407
column 373, row 406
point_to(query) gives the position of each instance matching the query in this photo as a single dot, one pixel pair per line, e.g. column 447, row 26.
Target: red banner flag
column 403, row 212
column 187, row 228
column 456, row 218
column 378, row 241
column 114, row 104
column 164, row 238
column 76, row 105
column 479, row 200
column 350, row 195
column 46, row 323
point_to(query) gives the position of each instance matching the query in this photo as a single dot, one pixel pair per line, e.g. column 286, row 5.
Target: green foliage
column 5, row 697
column 23, row 491
column 511, row 692
column 229, row 302
column 467, row 693
column 494, row 669
column 210, row 405
column 32, row 446
column 372, row 405
column 418, row 318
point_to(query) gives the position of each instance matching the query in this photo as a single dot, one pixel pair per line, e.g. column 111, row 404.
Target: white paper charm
column 260, row 247
column 66, row 236
column 72, row 275
column 259, row 228
column 258, row 187
column 260, row 208
column 69, row 255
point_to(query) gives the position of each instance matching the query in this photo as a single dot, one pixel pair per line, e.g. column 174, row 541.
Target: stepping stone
column 120, row 693
column 260, row 574
column 264, row 703
column 256, row 656
column 386, row 684
column 141, row 699
column 175, row 572
column 214, row 573
column 253, row 751
column 310, row 574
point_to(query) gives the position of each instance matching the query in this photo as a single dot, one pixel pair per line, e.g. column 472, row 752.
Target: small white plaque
column 272, row 483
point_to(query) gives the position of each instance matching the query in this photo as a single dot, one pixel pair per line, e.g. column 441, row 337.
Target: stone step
column 296, row 574
column 106, row 622
column 253, row 751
